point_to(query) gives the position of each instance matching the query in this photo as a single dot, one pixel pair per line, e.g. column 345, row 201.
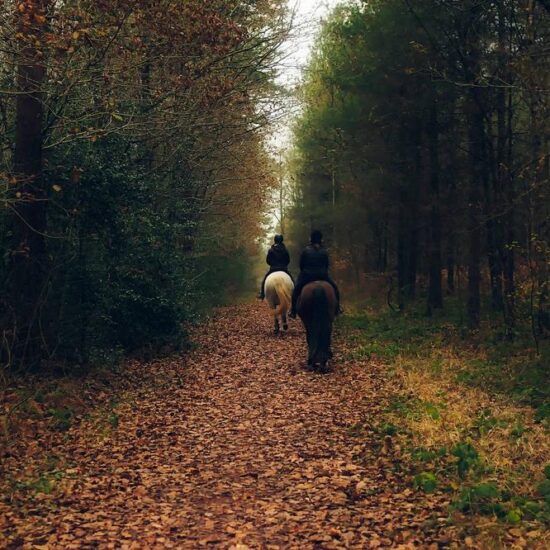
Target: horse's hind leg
column 285, row 322
column 276, row 328
column 324, row 368
column 310, row 358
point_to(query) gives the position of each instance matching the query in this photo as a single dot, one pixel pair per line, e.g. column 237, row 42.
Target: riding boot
column 298, row 287
column 292, row 313
column 339, row 309
column 261, row 294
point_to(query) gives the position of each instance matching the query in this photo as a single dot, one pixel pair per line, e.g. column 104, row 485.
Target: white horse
column 278, row 295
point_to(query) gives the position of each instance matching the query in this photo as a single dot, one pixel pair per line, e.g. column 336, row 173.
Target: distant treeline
column 423, row 148
column 132, row 168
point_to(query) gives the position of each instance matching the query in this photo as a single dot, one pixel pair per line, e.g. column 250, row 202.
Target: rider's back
column 314, row 260
column 278, row 256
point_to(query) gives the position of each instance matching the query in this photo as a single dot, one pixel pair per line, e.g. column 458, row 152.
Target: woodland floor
column 233, row 446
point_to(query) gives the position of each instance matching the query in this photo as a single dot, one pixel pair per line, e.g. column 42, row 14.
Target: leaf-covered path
column 236, row 446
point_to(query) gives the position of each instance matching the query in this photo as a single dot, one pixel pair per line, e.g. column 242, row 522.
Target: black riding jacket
column 314, row 261
column 278, row 257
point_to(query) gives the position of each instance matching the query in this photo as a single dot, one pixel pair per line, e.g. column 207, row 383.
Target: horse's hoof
column 285, row 327
column 324, row 369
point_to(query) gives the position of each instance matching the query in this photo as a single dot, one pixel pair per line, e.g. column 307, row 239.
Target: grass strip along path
column 233, row 446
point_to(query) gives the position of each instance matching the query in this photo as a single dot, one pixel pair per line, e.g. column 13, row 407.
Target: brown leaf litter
column 233, row 446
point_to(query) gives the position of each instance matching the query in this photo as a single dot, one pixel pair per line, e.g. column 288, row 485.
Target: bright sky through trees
column 307, row 18
column 308, row 15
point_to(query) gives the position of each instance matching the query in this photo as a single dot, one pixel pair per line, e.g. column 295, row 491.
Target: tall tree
column 28, row 197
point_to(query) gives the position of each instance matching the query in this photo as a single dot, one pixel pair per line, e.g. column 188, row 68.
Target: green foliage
column 130, row 279
column 414, row 408
column 44, row 484
column 383, row 157
column 543, row 488
column 389, row 429
column 406, row 406
column 114, row 420
column 486, row 498
column 514, row 516
column 543, row 412
column 386, row 428
column 432, row 410
column 155, row 179
column 125, row 282
column 388, row 335
column 426, row 481
column 483, row 498
column 426, row 455
column 458, row 470
column 62, row 416
column 518, row 430
column 531, row 509
column 467, row 458
column 486, row 422
column 503, row 366
column 358, row 322
column 387, row 351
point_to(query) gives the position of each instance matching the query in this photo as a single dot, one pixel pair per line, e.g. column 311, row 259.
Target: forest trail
column 235, row 446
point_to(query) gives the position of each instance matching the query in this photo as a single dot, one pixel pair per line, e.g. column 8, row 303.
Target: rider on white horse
column 278, row 259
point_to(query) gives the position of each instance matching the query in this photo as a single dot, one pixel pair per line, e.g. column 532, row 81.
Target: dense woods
column 131, row 135
column 422, row 150
column 142, row 176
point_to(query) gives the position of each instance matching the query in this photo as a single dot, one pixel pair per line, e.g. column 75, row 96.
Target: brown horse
column 317, row 309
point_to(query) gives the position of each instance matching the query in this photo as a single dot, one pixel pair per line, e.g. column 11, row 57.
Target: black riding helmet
column 278, row 239
column 316, row 237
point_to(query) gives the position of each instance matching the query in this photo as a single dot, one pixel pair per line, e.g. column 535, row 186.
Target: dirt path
column 235, row 447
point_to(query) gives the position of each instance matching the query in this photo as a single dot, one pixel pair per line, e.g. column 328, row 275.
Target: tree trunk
column 407, row 232
column 28, row 250
column 476, row 154
column 476, row 143
column 493, row 257
column 509, row 199
column 451, row 200
column 407, row 245
column 402, row 253
column 435, row 297
column 451, row 264
column 412, row 210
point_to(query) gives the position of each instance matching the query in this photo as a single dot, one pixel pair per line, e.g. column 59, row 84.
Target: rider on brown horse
column 277, row 259
column 313, row 267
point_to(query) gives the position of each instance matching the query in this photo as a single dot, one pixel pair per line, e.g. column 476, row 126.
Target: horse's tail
column 320, row 326
column 285, row 296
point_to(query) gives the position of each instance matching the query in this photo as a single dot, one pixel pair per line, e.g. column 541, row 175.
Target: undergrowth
column 471, row 411
column 486, row 359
